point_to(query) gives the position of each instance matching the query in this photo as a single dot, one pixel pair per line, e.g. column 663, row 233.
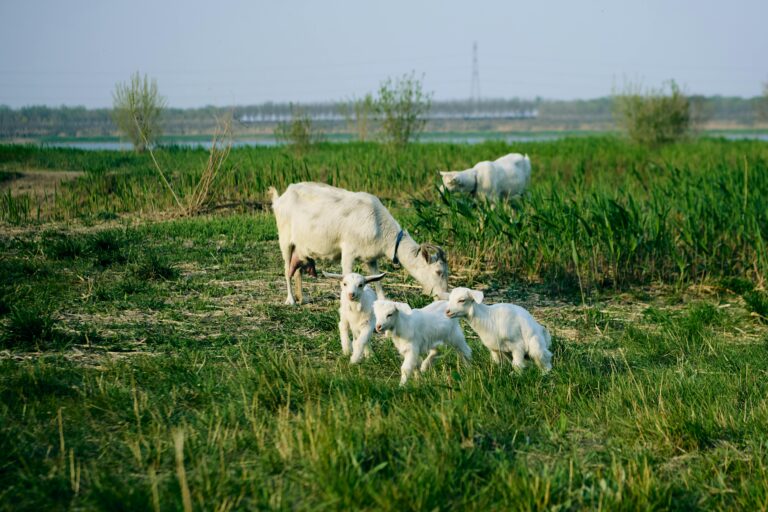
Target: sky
column 228, row 52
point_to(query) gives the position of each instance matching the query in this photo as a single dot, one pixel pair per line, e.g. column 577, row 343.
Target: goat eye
column 439, row 272
column 462, row 300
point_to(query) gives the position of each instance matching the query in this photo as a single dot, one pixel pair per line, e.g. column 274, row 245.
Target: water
column 449, row 138
column 743, row 136
column 271, row 142
column 127, row 146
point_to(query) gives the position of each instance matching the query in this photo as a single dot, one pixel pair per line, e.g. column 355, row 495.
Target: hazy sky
column 226, row 52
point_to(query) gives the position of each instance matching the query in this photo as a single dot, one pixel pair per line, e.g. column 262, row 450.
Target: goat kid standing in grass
column 502, row 328
column 416, row 332
column 356, row 313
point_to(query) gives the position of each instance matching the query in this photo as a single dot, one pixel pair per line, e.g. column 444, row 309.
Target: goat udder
column 307, row 267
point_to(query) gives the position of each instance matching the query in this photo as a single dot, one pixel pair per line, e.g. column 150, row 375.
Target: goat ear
column 425, row 253
column 333, row 276
column 439, row 254
column 477, row 296
column 375, row 277
column 432, row 253
column 402, row 306
column 443, row 173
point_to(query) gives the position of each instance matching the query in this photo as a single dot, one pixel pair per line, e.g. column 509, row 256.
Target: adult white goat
column 356, row 313
column 416, row 332
column 503, row 178
column 318, row 221
column 502, row 328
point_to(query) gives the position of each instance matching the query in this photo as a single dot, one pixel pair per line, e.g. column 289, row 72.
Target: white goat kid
column 317, row 221
column 416, row 332
column 503, row 328
column 356, row 313
column 503, row 178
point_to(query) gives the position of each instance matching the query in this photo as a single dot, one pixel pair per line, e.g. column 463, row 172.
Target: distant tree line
column 44, row 121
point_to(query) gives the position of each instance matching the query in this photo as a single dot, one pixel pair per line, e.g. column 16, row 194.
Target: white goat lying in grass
column 416, row 332
column 356, row 313
column 503, row 178
column 502, row 328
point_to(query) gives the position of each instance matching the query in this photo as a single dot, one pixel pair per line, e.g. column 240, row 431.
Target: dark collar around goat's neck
column 395, row 259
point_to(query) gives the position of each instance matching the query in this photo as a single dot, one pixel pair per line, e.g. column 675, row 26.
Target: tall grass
column 682, row 213
column 661, row 223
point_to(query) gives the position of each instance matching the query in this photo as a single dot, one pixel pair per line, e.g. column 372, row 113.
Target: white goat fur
column 418, row 332
column 502, row 328
column 356, row 313
column 503, row 178
column 317, row 221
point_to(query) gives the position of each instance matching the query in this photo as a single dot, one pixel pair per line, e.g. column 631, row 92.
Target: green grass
column 123, row 336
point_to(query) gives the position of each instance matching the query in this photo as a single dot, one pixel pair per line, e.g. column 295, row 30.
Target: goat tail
column 275, row 195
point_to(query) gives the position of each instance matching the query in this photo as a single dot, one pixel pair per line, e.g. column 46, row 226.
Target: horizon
column 342, row 101
column 249, row 54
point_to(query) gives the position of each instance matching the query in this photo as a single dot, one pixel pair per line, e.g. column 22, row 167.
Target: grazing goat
column 356, row 313
column 317, row 221
column 501, row 179
column 416, row 332
column 502, row 328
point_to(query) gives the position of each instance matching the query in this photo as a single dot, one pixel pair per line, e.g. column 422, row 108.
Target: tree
column 402, row 106
column 764, row 103
column 300, row 132
column 359, row 113
column 137, row 108
column 654, row 117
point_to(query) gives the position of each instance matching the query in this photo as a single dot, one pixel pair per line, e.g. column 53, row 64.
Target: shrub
column 299, row 132
column 137, row 108
column 402, row 106
column 359, row 114
column 654, row 117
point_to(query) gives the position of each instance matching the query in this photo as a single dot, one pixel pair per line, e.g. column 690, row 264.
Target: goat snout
column 351, row 296
column 378, row 327
column 448, row 313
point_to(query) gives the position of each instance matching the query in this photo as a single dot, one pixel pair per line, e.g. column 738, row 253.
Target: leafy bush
column 299, row 132
column 359, row 114
column 654, row 117
column 402, row 106
column 763, row 108
column 137, row 108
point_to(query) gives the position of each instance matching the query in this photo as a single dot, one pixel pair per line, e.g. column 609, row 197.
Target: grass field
column 148, row 361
